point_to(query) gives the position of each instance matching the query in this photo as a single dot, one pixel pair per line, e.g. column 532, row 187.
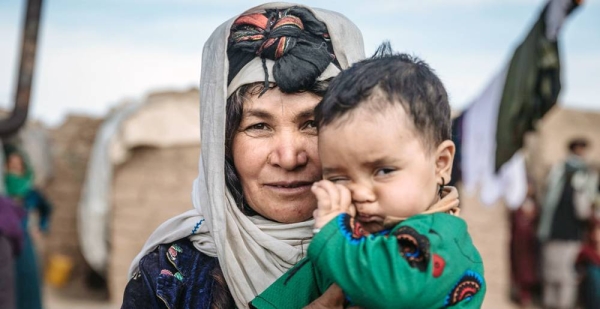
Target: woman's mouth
column 290, row 188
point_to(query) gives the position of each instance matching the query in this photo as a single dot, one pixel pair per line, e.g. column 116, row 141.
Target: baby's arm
column 428, row 261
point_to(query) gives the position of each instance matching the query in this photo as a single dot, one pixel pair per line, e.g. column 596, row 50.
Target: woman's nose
column 290, row 151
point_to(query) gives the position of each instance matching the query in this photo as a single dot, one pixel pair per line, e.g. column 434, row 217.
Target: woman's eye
column 311, row 124
column 258, row 126
column 261, row 129
column 309, row 127
column 384, row 171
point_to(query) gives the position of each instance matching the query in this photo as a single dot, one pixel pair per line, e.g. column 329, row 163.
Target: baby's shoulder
column 438, row 223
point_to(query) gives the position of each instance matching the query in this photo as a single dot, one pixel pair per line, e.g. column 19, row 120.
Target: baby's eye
column 384, row 171
column 339, row 180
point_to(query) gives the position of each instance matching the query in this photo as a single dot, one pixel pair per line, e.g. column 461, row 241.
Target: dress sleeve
column 140, row 291
column 427, row 261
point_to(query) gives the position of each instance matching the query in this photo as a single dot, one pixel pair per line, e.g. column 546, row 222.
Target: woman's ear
column 444, row 157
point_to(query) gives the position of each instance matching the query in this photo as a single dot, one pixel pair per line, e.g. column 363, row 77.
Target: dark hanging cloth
column 565, row 224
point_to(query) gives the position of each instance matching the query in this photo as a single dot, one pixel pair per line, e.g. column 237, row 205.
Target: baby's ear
column 444, row 157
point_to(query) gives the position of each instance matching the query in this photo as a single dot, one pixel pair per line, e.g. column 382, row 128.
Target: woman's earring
column 441, row 187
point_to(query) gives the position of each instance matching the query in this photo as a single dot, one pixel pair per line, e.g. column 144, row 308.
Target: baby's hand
column 332, row 200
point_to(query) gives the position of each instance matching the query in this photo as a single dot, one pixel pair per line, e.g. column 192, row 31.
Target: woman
column 262, row 75
column 19, row 186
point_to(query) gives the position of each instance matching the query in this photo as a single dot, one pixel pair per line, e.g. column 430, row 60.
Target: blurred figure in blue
column 18, row 179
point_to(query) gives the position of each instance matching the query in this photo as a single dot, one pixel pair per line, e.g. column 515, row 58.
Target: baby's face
column 380, row 158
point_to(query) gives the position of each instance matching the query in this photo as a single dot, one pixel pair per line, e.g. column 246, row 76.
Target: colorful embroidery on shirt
column 179, row 276
column 172, row 253
column 438, row 265
column 470, row 283
column 167, row 272
column 350, row 228
column 413, row 246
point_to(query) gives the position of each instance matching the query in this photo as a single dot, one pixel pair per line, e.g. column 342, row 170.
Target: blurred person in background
column 11, row 244
column 262, row 75
column 18, row 179
column 570, row 192
column 588, row 264
column 524, row 249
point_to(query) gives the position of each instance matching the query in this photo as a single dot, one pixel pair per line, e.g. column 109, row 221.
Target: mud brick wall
column 71, row 146
column 151, row 187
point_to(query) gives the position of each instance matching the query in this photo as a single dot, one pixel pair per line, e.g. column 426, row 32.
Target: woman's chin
column 292, row 213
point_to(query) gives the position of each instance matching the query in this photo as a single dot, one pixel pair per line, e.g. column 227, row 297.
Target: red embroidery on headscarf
column 289, row 20
column 280, row 47
column 256, row 20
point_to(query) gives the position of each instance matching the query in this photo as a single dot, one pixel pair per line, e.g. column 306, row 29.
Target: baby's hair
column 385, row 79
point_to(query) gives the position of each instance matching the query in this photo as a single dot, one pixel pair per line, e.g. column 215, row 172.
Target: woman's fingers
column 332, row 298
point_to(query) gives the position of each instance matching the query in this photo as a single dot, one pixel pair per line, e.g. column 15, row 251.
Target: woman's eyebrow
column 307, row 113
column 258, row 114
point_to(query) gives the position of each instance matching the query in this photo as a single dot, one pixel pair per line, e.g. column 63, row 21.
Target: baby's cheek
column 406, row 202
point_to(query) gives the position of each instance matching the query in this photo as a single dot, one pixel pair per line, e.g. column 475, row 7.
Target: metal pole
column 18, row 116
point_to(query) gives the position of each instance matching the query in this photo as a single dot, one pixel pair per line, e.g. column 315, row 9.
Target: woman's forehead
column 274, row 102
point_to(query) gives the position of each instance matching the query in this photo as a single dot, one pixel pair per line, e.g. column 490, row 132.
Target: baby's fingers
column 329, row 189
column 333, row 192
column 345, row 198
column 323, row 198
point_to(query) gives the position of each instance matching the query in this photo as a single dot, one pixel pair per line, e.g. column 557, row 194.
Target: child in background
column 588, row 262
column 524, row 249
column 387, row 230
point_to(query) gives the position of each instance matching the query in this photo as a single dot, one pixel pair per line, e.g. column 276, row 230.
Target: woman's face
column 14, row 164
column 275, row 154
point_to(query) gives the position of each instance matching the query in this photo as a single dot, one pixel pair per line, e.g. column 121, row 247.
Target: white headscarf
column 252, row 251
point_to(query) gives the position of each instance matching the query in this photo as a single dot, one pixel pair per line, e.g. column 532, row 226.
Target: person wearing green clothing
column 19, row 183
column 387, row 230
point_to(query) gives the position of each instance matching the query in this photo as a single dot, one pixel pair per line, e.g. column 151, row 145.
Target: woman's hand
column 332, row 298
column 332, row 200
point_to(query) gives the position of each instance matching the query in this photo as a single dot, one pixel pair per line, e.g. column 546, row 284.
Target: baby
column 386, row 227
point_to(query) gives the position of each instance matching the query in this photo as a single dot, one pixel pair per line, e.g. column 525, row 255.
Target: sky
column 94, row 54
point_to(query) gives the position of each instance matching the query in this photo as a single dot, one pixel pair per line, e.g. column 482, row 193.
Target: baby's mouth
column 368, row 218
column 370, row 223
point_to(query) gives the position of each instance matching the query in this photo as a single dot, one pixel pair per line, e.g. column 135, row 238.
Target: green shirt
column 426, row 261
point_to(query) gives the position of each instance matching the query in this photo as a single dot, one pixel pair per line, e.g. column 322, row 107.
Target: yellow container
column 58, row 270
